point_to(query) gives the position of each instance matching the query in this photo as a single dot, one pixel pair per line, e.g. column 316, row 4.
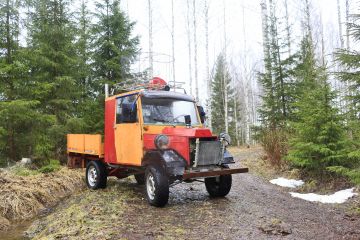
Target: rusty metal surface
column 188, row 175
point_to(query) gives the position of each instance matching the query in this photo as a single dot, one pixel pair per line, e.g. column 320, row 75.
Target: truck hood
column 188, row 132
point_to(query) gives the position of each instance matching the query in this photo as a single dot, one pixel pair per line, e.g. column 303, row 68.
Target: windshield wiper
column 159, row 120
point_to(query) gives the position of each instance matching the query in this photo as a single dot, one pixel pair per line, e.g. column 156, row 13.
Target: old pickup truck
column 158, row 136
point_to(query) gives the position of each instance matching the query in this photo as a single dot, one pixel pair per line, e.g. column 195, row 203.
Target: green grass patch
column 54, row 165
column 23, row 171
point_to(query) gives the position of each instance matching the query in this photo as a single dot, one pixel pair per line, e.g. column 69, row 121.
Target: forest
column 55, row 59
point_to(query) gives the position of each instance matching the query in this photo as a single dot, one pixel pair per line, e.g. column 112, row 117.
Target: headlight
column 162, row 142
column 225, row 137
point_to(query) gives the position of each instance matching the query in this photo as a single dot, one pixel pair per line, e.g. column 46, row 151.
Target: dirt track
column 254, row 209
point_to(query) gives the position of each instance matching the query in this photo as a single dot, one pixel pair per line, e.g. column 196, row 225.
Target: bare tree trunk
column 265, row 31
column 208, row 80
column 8, row 37
column 288, row 28
column 151, row 67
column 189, row 45
column 246, row 84
column 195, row 53
column 308, row 21
column 322, row 42
column 224, row 79
column 173, row 40
column 347, row 25
column 340, row 24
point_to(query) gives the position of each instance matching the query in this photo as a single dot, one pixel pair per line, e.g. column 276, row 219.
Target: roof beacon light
column 158, row 83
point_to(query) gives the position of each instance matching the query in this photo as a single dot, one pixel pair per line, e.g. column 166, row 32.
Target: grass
column 253, row 158
column 92, row 213
column 24, row 192
column 24, row 171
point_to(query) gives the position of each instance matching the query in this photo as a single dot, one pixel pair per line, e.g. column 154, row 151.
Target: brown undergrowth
column 22, row 197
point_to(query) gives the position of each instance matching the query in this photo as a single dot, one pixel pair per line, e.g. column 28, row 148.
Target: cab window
column 126, row 109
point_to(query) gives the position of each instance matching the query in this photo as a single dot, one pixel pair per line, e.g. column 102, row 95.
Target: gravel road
column 254, row 209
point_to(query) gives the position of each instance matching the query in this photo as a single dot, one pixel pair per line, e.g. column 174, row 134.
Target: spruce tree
column 317, row 137
column 20, row 121
column 221, row 77
column 277, row 87
column 349, row 59
column 52, row 56
column 276, row 80
column 84, row 78
column 114, row 47
column 83, row 50
column 114, row 50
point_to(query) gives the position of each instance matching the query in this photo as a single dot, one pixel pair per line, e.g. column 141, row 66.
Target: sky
column 242, row 27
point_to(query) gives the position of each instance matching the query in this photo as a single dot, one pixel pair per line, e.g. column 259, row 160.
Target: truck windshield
column 167, row 111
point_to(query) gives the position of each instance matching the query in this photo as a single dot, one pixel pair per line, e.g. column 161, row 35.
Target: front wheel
column 218, row 186
column 96, row 176
column 157, row 186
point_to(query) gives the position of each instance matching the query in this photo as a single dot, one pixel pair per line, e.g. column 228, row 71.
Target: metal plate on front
column 209, row 153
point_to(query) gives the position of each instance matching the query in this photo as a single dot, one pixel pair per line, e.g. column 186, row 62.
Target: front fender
column 228, row 158
column 170, row 160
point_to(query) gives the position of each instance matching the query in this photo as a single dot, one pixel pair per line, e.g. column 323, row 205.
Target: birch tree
column 208, row 80
column 195, row 52
column 151, row 61
column 225, row 99
column 188, row 33
column 173, row 41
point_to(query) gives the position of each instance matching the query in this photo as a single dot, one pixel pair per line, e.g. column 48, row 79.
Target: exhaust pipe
column 106, row 90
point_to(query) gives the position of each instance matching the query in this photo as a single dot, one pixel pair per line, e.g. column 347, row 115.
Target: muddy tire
column 218, row 186
column 96, row 176
column 140, row 178
column 156, row 186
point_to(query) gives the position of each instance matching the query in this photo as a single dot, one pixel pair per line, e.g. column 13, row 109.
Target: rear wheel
column 157, row 186
column 140, row 178
column 96, row 176
column 218, row 186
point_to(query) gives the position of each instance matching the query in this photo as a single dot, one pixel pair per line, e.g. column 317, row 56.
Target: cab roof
column 156, row 94
column 167, row 94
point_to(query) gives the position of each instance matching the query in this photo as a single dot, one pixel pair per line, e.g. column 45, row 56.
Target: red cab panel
column 109, row 143
column 178, row 143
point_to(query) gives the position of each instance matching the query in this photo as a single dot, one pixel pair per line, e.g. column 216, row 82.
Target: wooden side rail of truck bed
column 81, row 145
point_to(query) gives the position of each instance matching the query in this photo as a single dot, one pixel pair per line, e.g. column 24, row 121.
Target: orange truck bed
column 89, row 144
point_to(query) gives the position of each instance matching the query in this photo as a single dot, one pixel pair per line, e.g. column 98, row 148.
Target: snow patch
column 290, row 183
column 338, row 197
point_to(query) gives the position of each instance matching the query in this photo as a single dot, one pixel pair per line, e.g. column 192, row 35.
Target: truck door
column 128, row 138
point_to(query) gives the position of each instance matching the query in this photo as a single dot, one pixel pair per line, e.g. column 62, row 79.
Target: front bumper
column 213, row 173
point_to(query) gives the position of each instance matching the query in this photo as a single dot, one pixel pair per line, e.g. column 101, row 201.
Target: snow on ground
column 290, row 183
column 338, row 197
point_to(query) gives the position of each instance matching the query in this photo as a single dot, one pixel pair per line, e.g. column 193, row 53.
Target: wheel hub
column 92, row 176
column 150, row 186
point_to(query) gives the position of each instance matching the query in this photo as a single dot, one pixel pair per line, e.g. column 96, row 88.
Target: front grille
column 209, row 153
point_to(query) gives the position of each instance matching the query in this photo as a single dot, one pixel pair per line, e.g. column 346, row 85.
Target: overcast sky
column 243, row 22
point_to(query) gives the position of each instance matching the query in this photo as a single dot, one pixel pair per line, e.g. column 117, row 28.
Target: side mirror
column 201, row 113
column 187, row 120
